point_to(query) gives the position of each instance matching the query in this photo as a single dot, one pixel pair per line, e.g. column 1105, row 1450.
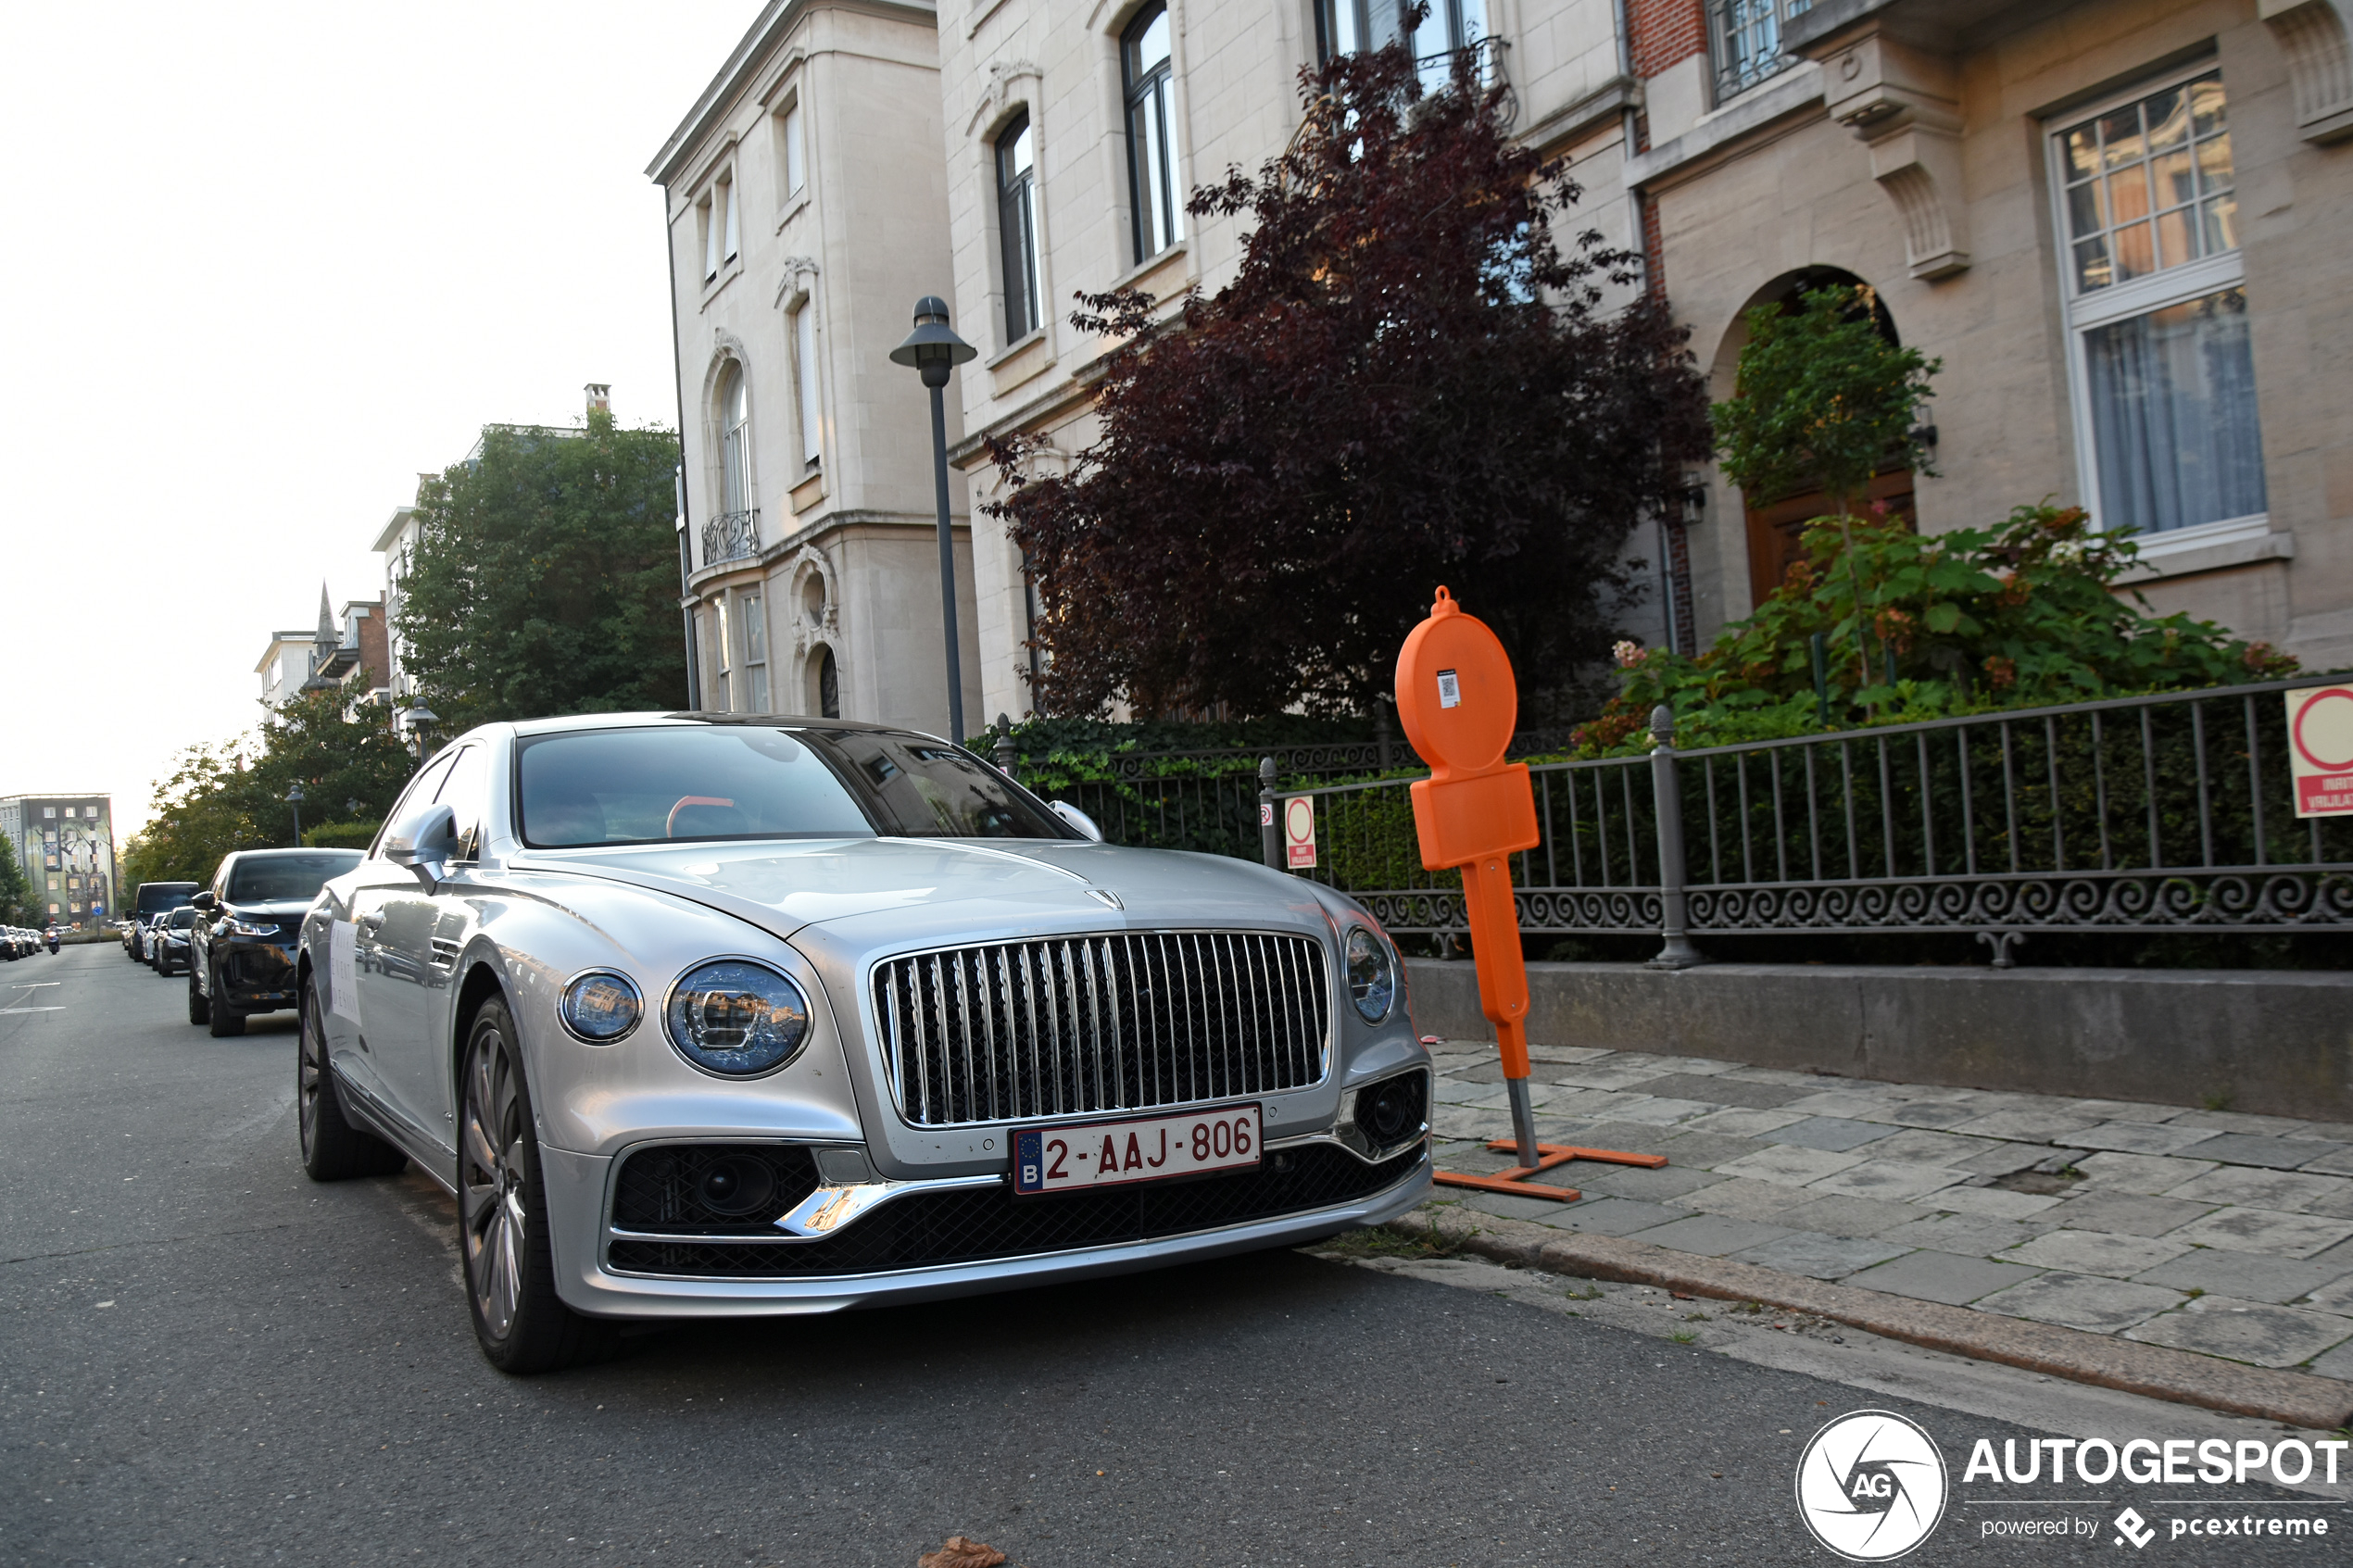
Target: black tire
column 224, row 1020
column 521, row 1324
column 199, row 1005
column 333, row 1149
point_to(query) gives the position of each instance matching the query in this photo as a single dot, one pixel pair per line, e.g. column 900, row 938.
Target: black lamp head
column 933, row 347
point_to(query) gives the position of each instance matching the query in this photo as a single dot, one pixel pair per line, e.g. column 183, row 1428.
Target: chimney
column 600, row 397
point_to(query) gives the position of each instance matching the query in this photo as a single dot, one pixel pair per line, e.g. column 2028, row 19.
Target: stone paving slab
column 1815, row 1255
column 2262, row 1230
column 2246, row 1331
column 2094, row 1252
column 2086, row 1218
column 2248, row 1275
column 2086, row 1301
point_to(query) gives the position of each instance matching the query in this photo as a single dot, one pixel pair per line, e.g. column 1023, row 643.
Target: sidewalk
column 2201, row 1231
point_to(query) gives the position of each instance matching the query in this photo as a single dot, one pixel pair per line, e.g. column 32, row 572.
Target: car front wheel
column 502, row 1215
column 222, row 1018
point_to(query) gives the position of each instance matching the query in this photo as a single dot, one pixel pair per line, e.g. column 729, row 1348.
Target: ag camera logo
column 1871, row 1486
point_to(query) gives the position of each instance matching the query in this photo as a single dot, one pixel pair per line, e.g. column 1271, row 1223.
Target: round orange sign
column 1456, row 694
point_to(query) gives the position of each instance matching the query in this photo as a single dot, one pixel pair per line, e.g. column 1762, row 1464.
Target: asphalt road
column 209, row 1360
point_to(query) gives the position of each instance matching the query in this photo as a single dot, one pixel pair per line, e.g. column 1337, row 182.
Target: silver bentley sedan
column 704, row 1016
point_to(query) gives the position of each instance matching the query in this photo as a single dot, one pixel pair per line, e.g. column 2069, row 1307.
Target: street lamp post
column 420, row 718
column 934, row 349
column 293, row 798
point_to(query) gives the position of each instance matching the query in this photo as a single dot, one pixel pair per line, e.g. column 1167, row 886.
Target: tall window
column 1017, row 226
column 1744, row 37
column 804, row 359
column 1154, row 188
column 1350, row 25
column 735, row 443
column 722, row 227
column 2157, row 310
column 796, row 150
column 827, row 678
column 753, row 616
column 723, row 651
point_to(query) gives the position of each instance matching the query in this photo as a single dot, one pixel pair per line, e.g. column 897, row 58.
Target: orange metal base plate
column 1516, row 1182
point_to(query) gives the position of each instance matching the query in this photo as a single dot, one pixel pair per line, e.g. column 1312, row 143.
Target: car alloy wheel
column 332, row 1148
column 521, row 1323
column 490, row 1183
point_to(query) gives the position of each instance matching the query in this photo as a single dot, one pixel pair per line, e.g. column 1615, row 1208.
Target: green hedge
column 342, row 835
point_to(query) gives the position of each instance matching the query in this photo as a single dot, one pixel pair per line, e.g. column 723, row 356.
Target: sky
column 266, row 265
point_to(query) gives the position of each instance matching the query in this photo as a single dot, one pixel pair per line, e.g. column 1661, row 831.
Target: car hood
column 920, row 888
column 284, row 910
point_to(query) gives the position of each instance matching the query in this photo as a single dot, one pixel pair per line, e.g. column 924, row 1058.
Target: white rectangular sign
column 343, row 977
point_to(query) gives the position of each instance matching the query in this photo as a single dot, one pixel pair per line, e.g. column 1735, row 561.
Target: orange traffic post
column 1458, row 703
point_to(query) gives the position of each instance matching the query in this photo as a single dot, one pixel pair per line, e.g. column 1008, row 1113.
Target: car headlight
column 1372, row 979
column 250, row 928
column 600, row 1007
column 736, row 1018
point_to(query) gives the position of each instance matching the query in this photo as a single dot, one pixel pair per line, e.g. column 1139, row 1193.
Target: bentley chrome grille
column 1130, row 1022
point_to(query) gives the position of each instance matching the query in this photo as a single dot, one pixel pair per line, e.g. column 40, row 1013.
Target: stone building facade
column 65, row 847
column 2123, row 225
column 807, row 213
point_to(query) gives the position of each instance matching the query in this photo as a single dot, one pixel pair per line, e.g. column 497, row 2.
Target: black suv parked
column 241, row 955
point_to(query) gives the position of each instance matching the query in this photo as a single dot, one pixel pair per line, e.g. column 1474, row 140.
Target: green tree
column 546, row 578
column 16, row 892
column 1822, row 401
column 233, row 797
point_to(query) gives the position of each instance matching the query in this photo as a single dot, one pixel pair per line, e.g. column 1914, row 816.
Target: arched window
column 735, row 442
column 1154, row 189
column 1017, row 226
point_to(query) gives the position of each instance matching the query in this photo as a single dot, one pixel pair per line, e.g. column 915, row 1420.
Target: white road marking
column 32, row 1010
column 35, row 985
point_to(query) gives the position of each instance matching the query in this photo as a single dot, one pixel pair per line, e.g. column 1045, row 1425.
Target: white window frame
column 723, row 647
column 721, row 218
column 751, row 622
column 2080, row 313
column 792, row 149
column 808, row 381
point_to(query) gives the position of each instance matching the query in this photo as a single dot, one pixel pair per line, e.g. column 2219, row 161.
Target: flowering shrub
column 2021, row 615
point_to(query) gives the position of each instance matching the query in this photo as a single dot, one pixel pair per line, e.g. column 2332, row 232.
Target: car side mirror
column 1078, row 819
column 204, row 901
column 423, row 843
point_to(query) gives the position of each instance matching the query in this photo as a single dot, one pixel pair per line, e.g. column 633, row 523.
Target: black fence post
column 1270, row 827
column 1674, row 906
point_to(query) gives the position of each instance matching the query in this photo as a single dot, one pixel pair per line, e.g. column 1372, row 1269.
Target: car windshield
column 637, row 786
column 155, row 898
column 180, row 920
column 676, row 782
column 931, row 790
column 269, row 879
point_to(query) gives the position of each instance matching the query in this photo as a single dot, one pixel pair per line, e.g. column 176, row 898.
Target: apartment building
column 807, row 213
column 2123, row 225
column 65, row 847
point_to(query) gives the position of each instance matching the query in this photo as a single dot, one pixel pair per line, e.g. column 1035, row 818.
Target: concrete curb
column 2181, row 1377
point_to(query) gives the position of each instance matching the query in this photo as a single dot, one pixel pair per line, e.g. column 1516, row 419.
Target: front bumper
column 588, row 1280
column 255, row 976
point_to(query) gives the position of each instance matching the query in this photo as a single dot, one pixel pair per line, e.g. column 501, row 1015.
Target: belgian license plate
column 1080, row 1157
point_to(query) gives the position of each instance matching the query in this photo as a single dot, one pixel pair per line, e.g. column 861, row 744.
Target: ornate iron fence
column 731, row 537
column 2134, row 814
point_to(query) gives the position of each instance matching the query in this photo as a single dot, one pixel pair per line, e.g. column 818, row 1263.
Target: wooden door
column 1774, row 529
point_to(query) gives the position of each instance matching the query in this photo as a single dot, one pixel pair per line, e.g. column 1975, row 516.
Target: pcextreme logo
column 1871, row 1486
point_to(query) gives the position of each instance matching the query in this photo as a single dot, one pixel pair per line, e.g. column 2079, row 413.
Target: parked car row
column 16, row 942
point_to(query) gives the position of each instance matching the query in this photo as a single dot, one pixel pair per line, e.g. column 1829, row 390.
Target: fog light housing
column 1394, row 1111
column 737, row 1184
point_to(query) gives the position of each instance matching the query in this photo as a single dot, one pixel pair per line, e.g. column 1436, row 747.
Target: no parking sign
column 1299, row 832
column 2320, row 750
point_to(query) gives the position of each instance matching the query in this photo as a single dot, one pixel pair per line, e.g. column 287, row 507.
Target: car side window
column 463, row 792
column 419, row 793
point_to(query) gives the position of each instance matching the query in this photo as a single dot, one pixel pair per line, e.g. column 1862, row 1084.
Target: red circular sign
column 2339, row 694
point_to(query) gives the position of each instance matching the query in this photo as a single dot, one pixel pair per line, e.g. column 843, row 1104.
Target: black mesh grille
column 979, row 1224
column 1111, row 1023
column 662, row 1190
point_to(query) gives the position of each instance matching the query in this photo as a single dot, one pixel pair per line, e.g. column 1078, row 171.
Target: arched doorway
column 1776, row 523
column 824, row 683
